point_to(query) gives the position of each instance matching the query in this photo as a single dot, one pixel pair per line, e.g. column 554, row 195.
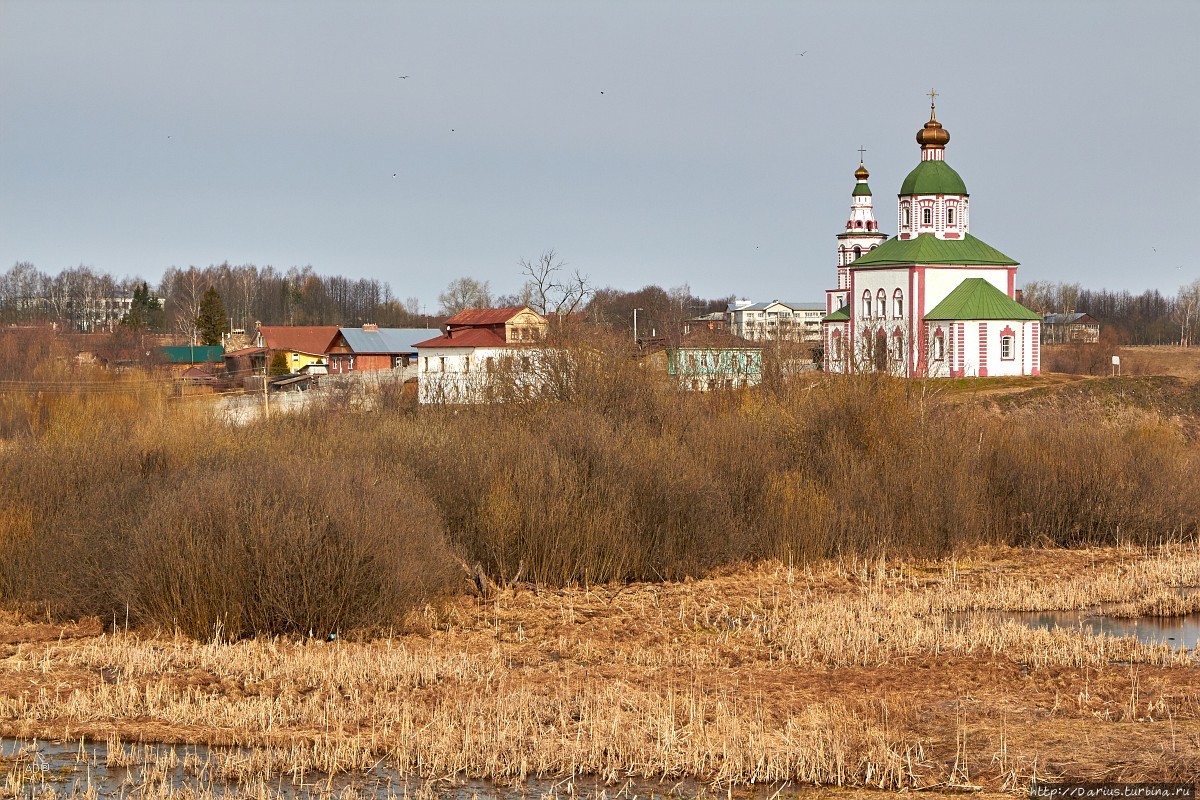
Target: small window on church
column 1006, row 347
column 867, row 304
column 882, row 309
column 857, row 251
column 950, row 216
column 898, row 304
column 939, row 346
column 906, row 222
column 927, row 216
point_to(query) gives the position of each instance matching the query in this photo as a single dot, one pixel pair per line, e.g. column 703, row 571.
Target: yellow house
column 302, row 345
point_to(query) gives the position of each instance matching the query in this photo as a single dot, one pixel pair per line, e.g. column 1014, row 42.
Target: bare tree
column 1187, row 311
column 464, row 293
column 549, row 291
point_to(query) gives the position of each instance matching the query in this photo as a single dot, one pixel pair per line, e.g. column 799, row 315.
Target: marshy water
column 45, row 770
column 1181, row 633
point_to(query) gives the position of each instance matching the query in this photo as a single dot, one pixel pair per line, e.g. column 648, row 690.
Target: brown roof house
column 464, row 364
column 305, row 347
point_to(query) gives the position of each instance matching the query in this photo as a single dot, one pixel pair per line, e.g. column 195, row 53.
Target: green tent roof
column 928, row 249
column 975, row 298
column 841, row 315
column 861, row 189
column 200, row 354
column 933, row 177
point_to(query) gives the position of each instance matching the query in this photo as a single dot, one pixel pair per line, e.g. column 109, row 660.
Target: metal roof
column 386, row 340
column 928, row 249
column 1067, row 319
column 467, row 337
column 485, row 316
column 976, row 298
column 933, row 177
column 790, row 306
column 189, row 354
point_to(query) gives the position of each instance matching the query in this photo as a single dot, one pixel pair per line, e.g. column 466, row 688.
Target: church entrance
column 880, row 354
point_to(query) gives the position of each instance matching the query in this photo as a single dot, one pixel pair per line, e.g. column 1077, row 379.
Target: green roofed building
column 933, row 300
column 193, row 354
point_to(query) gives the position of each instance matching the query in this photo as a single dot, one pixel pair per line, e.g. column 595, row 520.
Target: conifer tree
column 210, row 322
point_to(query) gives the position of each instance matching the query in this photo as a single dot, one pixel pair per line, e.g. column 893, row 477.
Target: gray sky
column 711, row 144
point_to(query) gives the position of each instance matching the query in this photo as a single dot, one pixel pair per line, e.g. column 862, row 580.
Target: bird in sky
column 401, row 77
column 800, row 54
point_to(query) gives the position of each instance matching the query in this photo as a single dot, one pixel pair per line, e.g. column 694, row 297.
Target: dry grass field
column 867, row 674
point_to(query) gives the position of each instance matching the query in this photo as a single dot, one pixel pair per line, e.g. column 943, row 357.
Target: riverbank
column 845, row 673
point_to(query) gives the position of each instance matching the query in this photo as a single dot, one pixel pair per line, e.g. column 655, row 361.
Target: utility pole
column 635, row 336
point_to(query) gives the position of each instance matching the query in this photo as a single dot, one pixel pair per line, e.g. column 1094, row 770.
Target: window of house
column 927, row 216
column 898, row 304
column 881, row 308
column 867, row 304
column 427, row 363
column 466, row 363
column 939, row 346
column 441, row 363
column 490, row 364
column 1006, row 347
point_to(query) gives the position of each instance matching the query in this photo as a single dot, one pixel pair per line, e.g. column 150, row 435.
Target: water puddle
column 1180, row 633
column 39, row 769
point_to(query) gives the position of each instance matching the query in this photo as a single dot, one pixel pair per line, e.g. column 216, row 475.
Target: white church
column 932, row 301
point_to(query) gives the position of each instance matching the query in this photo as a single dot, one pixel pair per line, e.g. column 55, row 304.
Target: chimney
column 370, row 326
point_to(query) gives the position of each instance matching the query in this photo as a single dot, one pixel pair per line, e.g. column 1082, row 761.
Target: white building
column 933, row 300
column 776, row 321
column 481, row 349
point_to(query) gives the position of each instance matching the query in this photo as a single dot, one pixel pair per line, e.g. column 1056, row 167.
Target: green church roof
column 928, row 249
column 861, row 189
column 841, row 315
column 933, row 177
column 976, row 298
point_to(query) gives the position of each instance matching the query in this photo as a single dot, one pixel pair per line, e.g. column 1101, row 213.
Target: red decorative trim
column 983, row 370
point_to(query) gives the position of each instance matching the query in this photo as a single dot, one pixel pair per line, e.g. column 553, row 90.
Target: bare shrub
column 293, row 550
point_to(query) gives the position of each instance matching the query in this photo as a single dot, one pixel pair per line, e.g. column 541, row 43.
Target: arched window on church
column 939, row 345
column 898, row 304
column 866, row 304
column 882, row 300
column 897, row 345
column 906, row 222
column 927, row 216
column 857, row 252
column 836, row 345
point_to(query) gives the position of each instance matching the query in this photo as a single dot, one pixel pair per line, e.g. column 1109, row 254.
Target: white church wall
column 941, row 281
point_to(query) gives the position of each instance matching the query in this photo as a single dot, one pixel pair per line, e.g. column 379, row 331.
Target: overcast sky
column 711, row 144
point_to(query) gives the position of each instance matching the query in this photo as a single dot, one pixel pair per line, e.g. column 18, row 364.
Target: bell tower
column 862, row 230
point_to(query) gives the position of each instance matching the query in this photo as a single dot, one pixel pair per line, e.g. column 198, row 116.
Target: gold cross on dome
column 861, row 150
column 932, row 96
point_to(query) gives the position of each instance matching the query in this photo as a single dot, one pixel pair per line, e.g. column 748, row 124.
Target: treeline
column 83, row 299
column 1134, row 319
column 660, row 312
column 176, row 518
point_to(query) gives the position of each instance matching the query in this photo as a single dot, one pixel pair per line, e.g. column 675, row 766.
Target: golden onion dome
column 861, row 173
column 933, row 134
